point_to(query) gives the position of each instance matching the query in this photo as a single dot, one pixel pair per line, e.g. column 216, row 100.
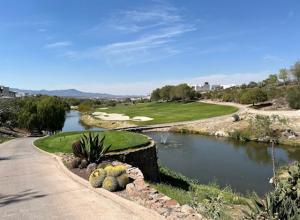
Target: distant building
column 6, row 93
column 203, row 88
column 216, row 87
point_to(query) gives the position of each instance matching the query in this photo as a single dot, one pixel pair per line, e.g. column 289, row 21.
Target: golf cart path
column 33, row 186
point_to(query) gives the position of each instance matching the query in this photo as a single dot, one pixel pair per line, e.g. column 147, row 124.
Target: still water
column 246, row 167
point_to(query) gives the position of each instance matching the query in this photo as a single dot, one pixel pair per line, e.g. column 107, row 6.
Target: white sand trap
column 111, row 117
column 103, row 108
column 119, row 117
column 141, row 118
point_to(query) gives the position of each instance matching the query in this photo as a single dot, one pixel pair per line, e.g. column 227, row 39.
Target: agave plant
column 90, row 147
column 283, row 202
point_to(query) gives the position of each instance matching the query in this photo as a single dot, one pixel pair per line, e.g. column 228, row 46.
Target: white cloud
column 153, row 32
column 58, row 44
column 272, row 58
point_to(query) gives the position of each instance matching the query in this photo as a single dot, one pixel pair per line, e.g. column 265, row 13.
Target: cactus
column 110, row 183
column 97, row 177
column 103, row 165
column 123, row 180
column 115, row 171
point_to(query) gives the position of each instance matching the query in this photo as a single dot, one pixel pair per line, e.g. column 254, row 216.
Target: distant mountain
column 72, row 93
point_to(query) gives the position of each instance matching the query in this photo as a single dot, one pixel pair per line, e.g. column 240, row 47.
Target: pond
column 246, row 167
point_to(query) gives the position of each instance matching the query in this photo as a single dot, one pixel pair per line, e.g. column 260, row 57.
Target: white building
column 203, row 88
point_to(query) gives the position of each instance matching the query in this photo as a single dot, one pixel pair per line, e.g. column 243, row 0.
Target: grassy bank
column 4, row 139
column 170, row 111
column 120, row 140
column 187, row 191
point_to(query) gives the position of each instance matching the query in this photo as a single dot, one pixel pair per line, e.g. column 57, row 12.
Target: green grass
column 187, row 191
column 184, row 190
column 171, row 111
column 3, row 139
column 120, row 140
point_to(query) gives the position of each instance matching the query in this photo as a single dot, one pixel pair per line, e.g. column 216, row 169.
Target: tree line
column 181, row 92
column 285, row 84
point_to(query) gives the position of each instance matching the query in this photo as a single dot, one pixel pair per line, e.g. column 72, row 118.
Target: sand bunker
column 118, row 117
column 141, row 118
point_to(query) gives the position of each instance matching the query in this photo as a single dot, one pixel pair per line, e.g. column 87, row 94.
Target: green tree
column 283, row 75
column 155, row 95
column 51, row 113
column 85, row 106
column 42, row 113
column 271, row 80
column 165, row 93
column 295, row 70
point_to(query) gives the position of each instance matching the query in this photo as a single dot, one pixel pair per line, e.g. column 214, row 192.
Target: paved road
column 32, row 186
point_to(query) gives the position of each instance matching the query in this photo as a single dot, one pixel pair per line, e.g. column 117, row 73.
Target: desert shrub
column 293, row 98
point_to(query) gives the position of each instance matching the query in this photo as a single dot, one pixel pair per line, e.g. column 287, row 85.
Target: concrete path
column 32, row 186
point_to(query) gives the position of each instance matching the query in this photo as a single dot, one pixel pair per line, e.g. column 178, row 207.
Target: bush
column 293, row 98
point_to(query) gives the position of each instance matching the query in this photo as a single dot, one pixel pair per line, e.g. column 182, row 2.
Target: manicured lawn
column 120, row 140
column 171, row 111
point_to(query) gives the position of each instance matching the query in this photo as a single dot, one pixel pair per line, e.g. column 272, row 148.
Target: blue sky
column 133, row 46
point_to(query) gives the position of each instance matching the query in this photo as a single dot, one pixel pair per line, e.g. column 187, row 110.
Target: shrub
column 293, row 98
column 97, row 177
column 123, row 180
column 110, row 183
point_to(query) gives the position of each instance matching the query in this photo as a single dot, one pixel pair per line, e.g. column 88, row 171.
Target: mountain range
column 72, row 93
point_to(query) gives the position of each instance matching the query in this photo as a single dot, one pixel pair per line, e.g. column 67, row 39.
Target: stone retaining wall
column 145, row 158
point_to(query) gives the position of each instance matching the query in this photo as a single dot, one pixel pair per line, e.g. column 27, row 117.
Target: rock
column 187, row 209
column 91, row 167
column 84, row 163
column 235, row 117
column 140, row 184
column 130, row 189
column 74, row 163
column 171, row 202
column 221, row 134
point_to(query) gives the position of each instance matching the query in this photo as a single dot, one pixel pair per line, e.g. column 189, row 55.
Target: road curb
column 126, row 204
